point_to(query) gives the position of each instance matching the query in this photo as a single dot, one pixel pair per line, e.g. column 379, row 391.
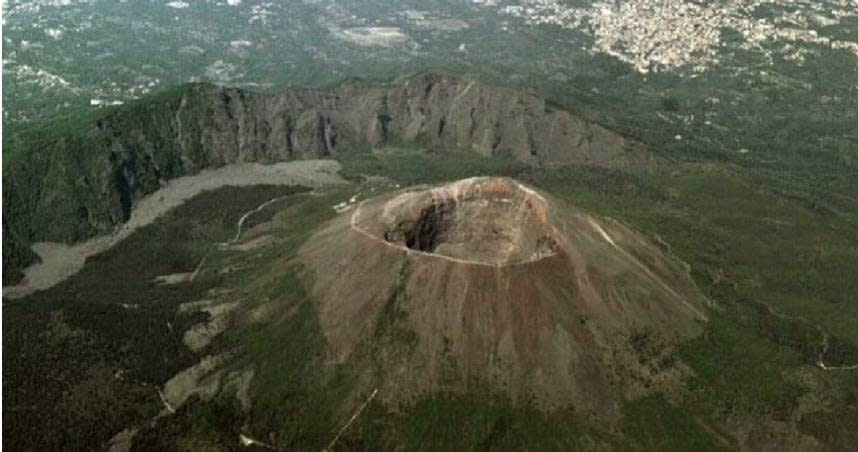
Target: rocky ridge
column 85, row 182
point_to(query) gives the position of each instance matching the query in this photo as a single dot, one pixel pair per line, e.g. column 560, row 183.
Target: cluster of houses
column 657, row 35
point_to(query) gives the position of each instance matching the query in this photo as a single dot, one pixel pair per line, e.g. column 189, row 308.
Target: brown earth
column 487, row 284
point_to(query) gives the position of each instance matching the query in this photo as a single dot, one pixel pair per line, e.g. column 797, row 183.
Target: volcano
column 488, row 284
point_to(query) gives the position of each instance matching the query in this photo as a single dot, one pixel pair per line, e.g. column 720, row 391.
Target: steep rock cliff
column 84, row 183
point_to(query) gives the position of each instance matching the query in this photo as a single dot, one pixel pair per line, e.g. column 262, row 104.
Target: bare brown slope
column 582, row 322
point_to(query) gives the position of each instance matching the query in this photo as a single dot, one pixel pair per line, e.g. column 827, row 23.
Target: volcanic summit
column 492, row 221
column 487, row 284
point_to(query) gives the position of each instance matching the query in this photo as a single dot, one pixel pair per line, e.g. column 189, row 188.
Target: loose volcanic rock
column 486, row 284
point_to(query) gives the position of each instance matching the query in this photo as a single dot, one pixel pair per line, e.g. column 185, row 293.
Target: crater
column 486, row 220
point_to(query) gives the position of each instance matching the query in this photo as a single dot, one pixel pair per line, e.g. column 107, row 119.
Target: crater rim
column 494, row 221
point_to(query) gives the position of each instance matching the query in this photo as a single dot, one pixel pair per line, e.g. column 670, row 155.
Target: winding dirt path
column 240, row 224
column 238, row 230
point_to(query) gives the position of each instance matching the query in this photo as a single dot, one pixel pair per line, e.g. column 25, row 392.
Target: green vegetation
column 71, row 129
column 711, row 216
column 89, row 185
column 290, row 392
column 478, row 421
column 390, row 323
column 749, row 249
column 408, row 165
column 836, row 429
column 761, row 201
column 197, row 425
column 653, row 424
column 91, row 348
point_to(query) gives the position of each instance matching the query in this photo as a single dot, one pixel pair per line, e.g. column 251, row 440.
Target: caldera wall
column 85, row 183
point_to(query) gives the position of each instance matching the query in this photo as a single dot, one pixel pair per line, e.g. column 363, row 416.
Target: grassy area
column 409, row 165
column 84, row 357
column 653, row 424
column 474, row 422
column 37, row 135
column 292, row 396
